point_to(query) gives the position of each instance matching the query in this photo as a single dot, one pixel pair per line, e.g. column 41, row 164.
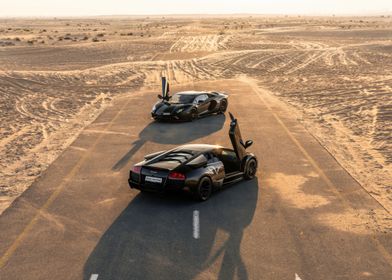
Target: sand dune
column 200, row 43
column 335, row 72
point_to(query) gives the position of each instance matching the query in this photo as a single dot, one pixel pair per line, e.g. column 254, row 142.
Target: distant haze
column 47, row 8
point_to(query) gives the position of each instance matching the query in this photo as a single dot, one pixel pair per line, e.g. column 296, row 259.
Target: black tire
column 222, row 107
column 193, row 115
column 204, row 189
column 251, row 169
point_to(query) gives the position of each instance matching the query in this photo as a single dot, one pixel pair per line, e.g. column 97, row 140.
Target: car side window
column 201, row 98
column 229, row 154
column 196, row 100
column 211, row 158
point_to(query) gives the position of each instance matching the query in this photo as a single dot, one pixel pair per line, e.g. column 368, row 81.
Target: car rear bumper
column 134, row 185
column 157, row 188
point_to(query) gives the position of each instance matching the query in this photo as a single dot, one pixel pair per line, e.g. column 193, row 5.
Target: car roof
column 192, row 92
column 180, row 155
column 197, row 148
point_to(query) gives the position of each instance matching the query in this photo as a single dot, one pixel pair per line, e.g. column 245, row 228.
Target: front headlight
column 154, row 108
column 180, row 110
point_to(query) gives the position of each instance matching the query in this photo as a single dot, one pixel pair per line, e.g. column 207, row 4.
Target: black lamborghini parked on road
column 188, row 105
column 199, row 168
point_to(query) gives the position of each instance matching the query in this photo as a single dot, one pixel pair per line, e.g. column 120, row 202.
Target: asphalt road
column 297, row 220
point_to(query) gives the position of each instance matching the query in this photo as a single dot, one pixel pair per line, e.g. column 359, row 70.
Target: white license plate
column 166, row 114
column 153, row 179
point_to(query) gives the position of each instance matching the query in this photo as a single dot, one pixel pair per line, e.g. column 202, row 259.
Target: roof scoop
column 165, row 90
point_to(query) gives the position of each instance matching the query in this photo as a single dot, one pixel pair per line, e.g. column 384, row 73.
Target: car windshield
column 183, row 98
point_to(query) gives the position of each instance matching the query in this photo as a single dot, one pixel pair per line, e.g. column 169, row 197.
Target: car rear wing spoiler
column 236, row 140
column 153, row 155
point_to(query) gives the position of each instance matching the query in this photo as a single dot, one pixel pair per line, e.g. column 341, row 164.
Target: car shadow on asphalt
column 153, row 237
column 172, row 133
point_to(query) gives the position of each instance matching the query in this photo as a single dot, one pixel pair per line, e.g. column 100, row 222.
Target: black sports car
column 200, row 168
column 187, row 105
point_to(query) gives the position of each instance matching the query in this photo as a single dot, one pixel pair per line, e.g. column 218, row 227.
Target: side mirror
column 248, row 144
column 160, row 96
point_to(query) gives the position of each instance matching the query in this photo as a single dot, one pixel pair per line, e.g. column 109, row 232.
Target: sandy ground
column 334, row 74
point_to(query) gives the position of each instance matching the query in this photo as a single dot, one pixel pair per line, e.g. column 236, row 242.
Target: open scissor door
column 165, row 89
column 236, row 139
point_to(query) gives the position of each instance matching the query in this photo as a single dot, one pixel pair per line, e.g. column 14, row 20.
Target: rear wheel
column 204, row 189
column 251, row 169
column 222, row 107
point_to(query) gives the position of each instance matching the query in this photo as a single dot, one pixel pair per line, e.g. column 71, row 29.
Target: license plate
column 166, row 114
column 153, row 179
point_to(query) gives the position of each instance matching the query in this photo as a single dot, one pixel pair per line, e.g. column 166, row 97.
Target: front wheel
column 251, row 169
column 193, row 115
column 222, row 107
column 204, row 189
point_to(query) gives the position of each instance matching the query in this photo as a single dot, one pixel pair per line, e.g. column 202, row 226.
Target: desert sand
column 334, row 73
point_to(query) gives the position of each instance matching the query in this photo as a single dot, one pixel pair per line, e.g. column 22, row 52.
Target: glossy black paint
column 198, row 104
column 195, row 161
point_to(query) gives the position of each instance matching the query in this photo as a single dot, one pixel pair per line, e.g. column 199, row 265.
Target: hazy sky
column 127, row 7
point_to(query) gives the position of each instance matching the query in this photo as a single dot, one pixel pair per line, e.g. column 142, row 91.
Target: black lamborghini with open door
column 199, row 168
column 188, row 105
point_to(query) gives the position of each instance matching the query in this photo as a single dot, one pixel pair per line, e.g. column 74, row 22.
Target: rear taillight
column 176, row 176
column 136, row 169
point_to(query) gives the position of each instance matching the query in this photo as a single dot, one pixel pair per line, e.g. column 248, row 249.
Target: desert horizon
column 203, row 15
